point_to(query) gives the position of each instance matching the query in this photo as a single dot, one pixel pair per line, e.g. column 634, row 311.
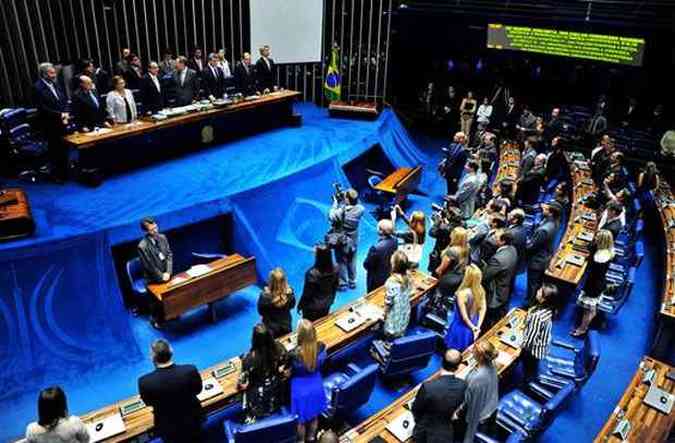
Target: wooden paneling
column 665, row 203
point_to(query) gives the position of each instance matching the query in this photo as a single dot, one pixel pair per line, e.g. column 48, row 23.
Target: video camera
column 339, row 194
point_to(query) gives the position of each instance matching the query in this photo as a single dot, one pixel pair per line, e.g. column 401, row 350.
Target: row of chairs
column 21, row 146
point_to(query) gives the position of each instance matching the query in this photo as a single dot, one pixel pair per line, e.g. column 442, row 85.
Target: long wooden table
column 646, row 423
column 401, row 182
column 335, row 338
column 147, row 125
column 16, row 219
column 509, row 164
column 665, row 203
column 223, row 277
column 376, row 425
column 569, row 262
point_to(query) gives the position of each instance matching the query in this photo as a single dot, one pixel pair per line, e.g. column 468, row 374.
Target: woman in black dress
column 263, row 373
column 275, row 304
column 595, row 282
column 321, row 282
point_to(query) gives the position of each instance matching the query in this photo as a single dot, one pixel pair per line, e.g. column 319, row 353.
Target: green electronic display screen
column 606, row 48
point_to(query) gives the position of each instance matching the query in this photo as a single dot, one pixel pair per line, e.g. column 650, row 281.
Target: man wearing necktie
column 244, row 77
column 151, row 90
column 184, row 83
column 88, row 108
column 212, row 78
column 51, row 103
column 264, row 68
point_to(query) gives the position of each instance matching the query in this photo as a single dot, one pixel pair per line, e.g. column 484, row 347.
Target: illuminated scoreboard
column 600, row 47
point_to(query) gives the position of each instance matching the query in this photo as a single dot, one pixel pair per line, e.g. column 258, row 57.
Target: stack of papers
column 210, row 388
column 96, row 132
column 106, row 428
column 198, row 270
column 402, row 426
column 370, row 311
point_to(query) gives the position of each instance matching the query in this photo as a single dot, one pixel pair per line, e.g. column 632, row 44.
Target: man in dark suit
column 516, row 226
column 51, row 103
column 152, row 95
column 540, row 247
column 184, row 83
column 511, row 116
column 134, row 73
column 88, row 108
column 172, row 391
column 527, row 158
column 156, row 258
column 244, row 75
column 436, row 402
column 497, row 277
column 611, row 218
column 265, row 70
column 530, row 183
column 122, row 66
column 378, row 261
column 453, row 165
column 196, row 62
column 213, row 78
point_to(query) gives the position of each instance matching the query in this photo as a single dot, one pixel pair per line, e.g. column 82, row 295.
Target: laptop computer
column 210, row 388
column 659, row 399
column 106, row 428
column 402, row 426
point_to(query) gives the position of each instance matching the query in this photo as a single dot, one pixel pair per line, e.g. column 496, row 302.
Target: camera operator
column 444, row 220
column 345, row 215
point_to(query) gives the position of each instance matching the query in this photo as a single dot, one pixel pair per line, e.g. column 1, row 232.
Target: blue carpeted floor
column 276, row 186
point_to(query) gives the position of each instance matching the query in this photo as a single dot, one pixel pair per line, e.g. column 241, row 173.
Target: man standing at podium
column 155, row 255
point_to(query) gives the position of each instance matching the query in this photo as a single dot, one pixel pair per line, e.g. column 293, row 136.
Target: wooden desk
column 401, row 182
column 183, row 292
column 647, row 423
column 582, row 221
column 665, row 203
column 141, row 421
column 509, row 164
column 16, row 219
column 376, row 425
column 146, row 125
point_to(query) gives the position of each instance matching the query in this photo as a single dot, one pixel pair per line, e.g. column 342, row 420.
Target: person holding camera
column 444, row 220
column 345, row 216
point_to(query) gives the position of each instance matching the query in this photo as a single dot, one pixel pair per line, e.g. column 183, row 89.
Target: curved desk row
column 635, row 418
column 377, row 425
column 569, row 262
column 509, row 164
column 139, row 419
column 665, row 203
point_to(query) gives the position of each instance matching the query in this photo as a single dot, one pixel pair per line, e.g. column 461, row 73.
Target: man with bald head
column 378, row 261
column 152, row 92
column 88, row 108
column 244, row 75
column 437, row 400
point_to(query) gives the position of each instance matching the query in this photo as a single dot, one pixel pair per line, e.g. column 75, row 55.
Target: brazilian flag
column 332, row 86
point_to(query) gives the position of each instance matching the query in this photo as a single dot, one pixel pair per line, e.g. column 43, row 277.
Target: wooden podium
column 15, row 216
column 184, row 292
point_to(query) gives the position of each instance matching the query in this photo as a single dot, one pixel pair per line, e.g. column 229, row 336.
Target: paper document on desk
column 350, row 321
column 210, row 388
column 402, row 426
column 198, row 270
column 108, row 427
column 94, row 133
column 370, row 312
column 177, row 280
column 504, row 359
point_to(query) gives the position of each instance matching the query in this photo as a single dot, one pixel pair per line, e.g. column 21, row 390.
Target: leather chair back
column 408, row 354
column 355, row 391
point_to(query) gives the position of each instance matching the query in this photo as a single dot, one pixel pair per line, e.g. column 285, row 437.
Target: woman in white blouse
column 484, row 112
column 120, row 102
column 54, row 423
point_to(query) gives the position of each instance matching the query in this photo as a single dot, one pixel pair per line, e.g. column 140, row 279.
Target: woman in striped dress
column 538, row 325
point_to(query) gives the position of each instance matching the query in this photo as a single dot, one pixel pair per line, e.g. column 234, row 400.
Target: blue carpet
column 61, row 314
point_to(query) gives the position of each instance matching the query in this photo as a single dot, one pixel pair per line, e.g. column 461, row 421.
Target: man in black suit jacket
column 497, row 277
column 213, row 78
column 436, row 402
column 244, row 75
column 378, row 261
column 184, row 83
column 172, row 391
column 152, row 94
column 51, row 103
column 88, row 108
column 156, row 259
column 611, row 219
column 265, row 70
column 540, row 248
column 516, row 226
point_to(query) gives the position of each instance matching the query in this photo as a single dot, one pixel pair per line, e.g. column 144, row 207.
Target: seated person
column 54, row 423
column 88, row 108
column 263, row 373
column 171, row 390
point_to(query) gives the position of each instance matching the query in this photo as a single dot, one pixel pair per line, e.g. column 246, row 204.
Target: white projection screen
column 291, row 27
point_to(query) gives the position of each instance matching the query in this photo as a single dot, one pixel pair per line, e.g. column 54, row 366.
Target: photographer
column 345, row 215
column 444, row 220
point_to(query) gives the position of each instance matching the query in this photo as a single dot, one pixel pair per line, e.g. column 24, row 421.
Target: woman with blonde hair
column 470, row 311
column 457, row 251
column 413, row 238
column 595, row 282
column 397, row 297
column 275, row 303
column 308, row 399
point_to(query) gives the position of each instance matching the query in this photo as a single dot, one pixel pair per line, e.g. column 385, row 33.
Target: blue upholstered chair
column 380, row 198
column 406, row 354
column 279, row 428
column 349, row 390
column 520, row 412
column 569, row 362
column 136, row 283
column 26, row 151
